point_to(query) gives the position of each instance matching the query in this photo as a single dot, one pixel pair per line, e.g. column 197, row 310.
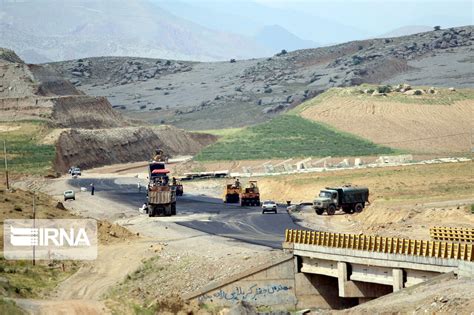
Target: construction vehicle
column 161, row 196
column 232, row 192
column 160, row 156
column 178, row 186
column 250, row 196
column 349, row 199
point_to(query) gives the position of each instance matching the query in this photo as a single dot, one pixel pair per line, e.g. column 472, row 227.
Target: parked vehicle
column 269, row 206
column 69, row 194
column 75, row 171
column 349, row 199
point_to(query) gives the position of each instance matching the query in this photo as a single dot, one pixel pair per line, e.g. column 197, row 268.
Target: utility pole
column 34, row 224
column 6, row 163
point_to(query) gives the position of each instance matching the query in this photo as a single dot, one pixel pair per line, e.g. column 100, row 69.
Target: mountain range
column 51, row 30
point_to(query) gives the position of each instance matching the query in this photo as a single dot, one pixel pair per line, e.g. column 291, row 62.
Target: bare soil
column 446, row 295
column 407, row 123
column 166, row 259
column 405, row 201
column 91, row 148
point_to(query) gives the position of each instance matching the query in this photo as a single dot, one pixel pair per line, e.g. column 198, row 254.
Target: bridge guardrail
column 442, row 233
column 389, row 245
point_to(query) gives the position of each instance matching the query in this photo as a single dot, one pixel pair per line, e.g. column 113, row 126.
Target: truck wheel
column 319, row 211
column 358, row 207
column 331, row 210
column 173, row 209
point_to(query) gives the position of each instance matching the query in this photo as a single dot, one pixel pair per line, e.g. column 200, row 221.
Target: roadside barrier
column 442, row 233
column 389, row 245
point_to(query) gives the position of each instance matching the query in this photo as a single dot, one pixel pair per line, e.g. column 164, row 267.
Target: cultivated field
column 428, row 123
column 288, row 136
column 26, row 153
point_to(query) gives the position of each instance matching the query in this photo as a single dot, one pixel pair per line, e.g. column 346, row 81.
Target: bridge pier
column 398, row 282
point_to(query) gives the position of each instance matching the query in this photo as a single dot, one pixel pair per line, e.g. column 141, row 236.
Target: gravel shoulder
column 176, row 259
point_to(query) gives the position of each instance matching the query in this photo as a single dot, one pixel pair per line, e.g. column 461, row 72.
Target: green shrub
column 384, row 89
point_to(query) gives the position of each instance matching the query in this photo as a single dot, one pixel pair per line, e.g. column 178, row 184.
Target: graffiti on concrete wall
column 253, row 293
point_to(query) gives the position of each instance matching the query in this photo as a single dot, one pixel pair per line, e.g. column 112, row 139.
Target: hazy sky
column 323, row 21
column 384, row 14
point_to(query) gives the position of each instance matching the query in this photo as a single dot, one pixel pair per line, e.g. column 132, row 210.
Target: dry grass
column 405, row 201
column 390, row 185
column 429, row 123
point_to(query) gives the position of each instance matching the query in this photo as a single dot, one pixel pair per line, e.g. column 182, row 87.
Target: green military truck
column 346, row 198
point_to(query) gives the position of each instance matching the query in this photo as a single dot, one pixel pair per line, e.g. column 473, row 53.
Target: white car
column 269, row 206
column 75, row 171
column 69, row 194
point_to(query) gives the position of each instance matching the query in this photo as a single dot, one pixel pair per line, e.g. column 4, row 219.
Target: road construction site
column 209, row 241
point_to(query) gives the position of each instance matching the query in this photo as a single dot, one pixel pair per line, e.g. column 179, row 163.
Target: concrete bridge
column 333, row 270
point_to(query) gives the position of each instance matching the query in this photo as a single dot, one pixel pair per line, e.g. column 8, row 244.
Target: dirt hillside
column 85, row 130
column 428, row 123
column 33, row 92
column 442, row 295
column 92, row 148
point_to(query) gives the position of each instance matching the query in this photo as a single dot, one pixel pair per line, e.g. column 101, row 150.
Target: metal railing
column 389, row 245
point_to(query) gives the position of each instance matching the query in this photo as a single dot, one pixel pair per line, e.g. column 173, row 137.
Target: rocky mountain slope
column 231, row 94
column 85, row 130
column 51, row 30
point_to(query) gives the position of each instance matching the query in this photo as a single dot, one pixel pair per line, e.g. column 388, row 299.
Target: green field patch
column 20, row 279
column 25, row 153
column 288, row 136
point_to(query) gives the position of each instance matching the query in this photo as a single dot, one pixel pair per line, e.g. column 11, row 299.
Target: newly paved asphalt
column 241, row 223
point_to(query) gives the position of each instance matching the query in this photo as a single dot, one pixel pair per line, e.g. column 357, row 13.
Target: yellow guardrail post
column 391, row 245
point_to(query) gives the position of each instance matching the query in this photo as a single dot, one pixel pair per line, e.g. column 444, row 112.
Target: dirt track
column 177, row 247
column 112, row 265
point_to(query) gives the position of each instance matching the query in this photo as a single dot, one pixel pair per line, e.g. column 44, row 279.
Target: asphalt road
column 246, row 224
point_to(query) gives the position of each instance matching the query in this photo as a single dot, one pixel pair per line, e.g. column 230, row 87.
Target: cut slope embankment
column 430, row 123
column 92, row 148
column 74, row 111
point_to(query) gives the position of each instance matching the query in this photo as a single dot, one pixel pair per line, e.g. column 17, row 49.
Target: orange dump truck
column 250, row 196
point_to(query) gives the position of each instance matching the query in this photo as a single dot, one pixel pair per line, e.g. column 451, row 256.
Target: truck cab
column 327, row 199
column 348, row 198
